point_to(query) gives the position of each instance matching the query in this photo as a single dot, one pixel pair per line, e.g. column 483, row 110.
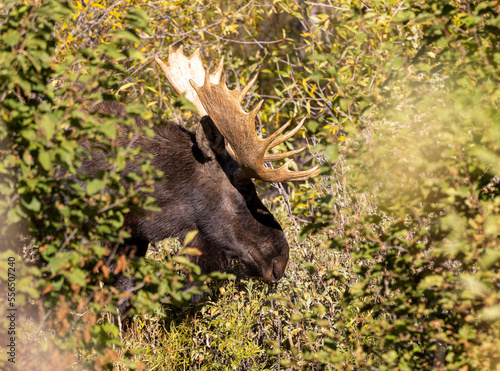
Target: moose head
column 244, row 229
column 208, row 175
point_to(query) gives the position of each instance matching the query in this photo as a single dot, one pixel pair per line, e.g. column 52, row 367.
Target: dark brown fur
column 201, row 192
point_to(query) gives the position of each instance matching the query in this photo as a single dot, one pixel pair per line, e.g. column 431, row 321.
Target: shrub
column 394, row 260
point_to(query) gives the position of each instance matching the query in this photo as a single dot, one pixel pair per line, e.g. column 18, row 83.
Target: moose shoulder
column 208, row 177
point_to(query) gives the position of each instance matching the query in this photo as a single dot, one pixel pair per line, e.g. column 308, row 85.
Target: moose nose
column 277, row 269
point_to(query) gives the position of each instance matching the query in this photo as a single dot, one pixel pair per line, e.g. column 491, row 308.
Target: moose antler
column 238, row 127
column 180, row 69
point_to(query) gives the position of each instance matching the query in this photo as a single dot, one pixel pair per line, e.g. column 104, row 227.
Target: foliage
column 70, row 212
column 426, row 247
column 396, row 265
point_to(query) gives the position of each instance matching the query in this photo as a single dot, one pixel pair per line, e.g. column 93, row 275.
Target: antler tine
column 272, row 138
column 215, row 77
column 179, row 70
column 290, row 134
column 247, row 87
column 283, row 174
column 282, row 156
column 276, row 141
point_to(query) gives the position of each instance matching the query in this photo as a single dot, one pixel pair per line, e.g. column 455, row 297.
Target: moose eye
column 247, row 190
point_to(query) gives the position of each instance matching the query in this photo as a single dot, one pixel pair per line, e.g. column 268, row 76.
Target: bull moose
column 208, row 176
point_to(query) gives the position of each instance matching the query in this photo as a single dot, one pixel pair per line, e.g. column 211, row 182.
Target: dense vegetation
column 394, row 249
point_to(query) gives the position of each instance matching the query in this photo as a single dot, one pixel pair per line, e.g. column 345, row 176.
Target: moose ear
column 210, row 140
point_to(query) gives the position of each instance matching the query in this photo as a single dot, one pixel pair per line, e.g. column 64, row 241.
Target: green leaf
column 94, row 186
column 45, row 160
column 137, row 18
column 398, row 62
column 312, row 126
column 11, row 37
column 77, row 277
column 185, row 104
column 189, row 237
column 135, row 54
column 127, row 35
column 490, row 314
column 361, row 36
column 431, row 281
column 34, row 204
column 332, row 152
column 403, row 16
column 108, row 129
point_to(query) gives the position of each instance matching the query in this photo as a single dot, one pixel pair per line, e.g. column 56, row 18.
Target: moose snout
column 276, row 270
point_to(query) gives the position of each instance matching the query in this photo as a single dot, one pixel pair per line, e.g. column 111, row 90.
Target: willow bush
column 395, row 258
column 69, row 213
column 424, row 247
